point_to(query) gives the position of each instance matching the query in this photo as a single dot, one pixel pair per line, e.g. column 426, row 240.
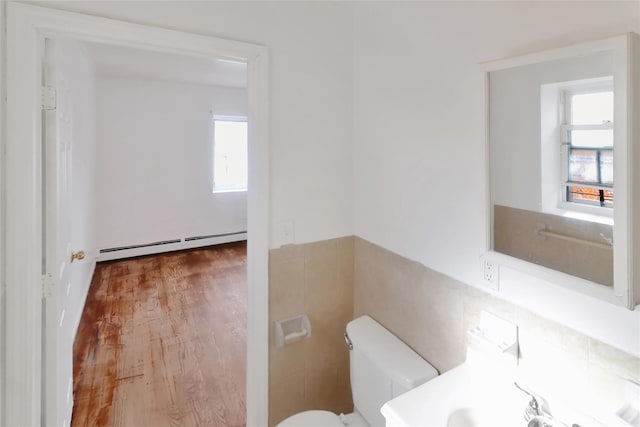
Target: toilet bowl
column 382, row 367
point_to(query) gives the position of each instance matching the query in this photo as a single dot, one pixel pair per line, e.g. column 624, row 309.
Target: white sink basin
column 475, row 417
column 469, row 417
column 462, row 397
column 470, row 396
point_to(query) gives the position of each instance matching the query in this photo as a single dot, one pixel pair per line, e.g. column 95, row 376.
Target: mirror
column 559, row 166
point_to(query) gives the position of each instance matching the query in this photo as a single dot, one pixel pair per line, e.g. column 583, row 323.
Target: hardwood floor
column 162, row 341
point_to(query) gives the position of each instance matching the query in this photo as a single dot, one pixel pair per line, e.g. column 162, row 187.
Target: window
column 229, row 154
column 587, row 140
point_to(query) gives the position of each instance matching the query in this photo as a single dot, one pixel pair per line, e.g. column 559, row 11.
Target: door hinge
column 48, row 97
column 48, row 285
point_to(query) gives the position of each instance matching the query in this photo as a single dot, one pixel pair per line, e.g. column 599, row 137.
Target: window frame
column 567, row 92
column 235, row 188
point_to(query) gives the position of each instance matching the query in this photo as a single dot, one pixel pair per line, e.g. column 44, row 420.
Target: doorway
column 28, row 26
column 130, row 138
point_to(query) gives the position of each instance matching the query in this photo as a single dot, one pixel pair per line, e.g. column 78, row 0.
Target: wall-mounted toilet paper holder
column 292, row 329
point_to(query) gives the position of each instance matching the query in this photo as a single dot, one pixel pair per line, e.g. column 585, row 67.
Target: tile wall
column 515, row 233
column 317, row 279
column 336, row 280
column 432, row 312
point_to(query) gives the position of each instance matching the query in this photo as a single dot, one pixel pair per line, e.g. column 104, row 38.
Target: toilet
column 382, row 367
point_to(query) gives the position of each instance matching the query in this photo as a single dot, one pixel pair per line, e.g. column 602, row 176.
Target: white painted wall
column 310, row 66
column 409, row 72
column 419, row 135
column 155, row 175
column 3, row 301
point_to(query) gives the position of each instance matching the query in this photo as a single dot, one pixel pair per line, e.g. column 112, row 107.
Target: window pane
column 230, row 154
column 592, row 108
column 583, row 165
column 590, row 196
column 608, row 198
column 606, row 167
column 592, row 138
column 586, row 195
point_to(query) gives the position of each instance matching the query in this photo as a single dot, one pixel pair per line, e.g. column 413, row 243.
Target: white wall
column 155, row 171
column 3, row 8
column 418, row 181
column 310, row 83
column 419, row 136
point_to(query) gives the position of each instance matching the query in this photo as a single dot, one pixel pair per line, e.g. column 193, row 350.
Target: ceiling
column 126, row 62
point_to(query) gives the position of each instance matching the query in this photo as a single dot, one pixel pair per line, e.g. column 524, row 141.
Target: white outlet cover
column 491, row 275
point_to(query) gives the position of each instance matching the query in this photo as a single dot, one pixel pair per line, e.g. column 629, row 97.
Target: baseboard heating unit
column 169, row 245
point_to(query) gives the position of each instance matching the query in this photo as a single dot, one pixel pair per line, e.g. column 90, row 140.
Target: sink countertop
column 470, row 386
column 465, row 386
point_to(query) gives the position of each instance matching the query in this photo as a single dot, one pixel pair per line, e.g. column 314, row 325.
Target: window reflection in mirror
column 551, row 155
column 563, row 156
column 587, row 137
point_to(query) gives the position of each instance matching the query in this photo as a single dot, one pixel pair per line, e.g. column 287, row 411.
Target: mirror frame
column 626, row 232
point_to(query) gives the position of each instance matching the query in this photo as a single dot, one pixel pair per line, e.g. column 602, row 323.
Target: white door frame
column 26, row 27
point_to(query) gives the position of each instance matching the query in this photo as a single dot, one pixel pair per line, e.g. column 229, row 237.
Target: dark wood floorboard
column 162, row 341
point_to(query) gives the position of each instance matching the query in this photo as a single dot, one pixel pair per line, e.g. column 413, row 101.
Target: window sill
column 229, row 190
column 584, row 216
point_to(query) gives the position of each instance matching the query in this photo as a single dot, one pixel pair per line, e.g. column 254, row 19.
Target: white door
column 57, row 160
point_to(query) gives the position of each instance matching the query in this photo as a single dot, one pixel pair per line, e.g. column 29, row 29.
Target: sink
column 462, row 397
column 466, row 397
column 476, row 417
column 470, row 417
column 482, row 392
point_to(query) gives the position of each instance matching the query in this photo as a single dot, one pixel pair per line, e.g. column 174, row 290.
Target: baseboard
column 169, row 246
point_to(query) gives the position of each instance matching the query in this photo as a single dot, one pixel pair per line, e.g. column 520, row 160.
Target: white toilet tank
column 382, row 367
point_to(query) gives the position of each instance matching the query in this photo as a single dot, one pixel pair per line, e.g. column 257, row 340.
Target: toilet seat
column 313, row 419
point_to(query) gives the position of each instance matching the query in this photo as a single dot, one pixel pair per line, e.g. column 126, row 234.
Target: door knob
column 77, row 255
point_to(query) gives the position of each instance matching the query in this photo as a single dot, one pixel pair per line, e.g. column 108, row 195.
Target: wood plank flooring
column 162, row 341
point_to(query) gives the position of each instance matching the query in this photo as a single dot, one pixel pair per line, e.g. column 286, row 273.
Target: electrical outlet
column 492, row 275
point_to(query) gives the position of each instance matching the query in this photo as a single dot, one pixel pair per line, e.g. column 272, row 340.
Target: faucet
column 537, row 413
column 537, row 405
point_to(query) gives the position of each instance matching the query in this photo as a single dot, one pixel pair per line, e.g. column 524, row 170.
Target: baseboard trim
column 109, row 254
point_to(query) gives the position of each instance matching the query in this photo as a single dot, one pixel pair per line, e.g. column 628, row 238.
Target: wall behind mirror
column 561, row 165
